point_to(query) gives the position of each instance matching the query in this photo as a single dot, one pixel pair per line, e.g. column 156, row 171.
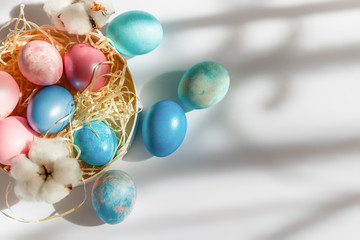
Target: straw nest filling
column 116, row 103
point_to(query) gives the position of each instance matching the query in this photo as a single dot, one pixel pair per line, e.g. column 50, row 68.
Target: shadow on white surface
column 85, row 215
column 5, row 179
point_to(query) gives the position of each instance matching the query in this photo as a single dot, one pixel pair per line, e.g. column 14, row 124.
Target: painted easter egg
column 113, row 196
column 203, row 85
column 9, row 94
column 50, row 109
column 15, row 138
column 135, row 33
column 97, row 145
column 164, row 128
column 80, row 64
column 40, row 63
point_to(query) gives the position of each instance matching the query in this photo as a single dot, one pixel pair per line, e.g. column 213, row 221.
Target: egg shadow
column 84, row 215
column 5, row 179
column 162, row 87
column 33, row 13
column 137, row 151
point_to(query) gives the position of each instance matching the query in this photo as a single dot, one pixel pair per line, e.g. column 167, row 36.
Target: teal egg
column 135, row 33
column 113, row 196
column 97, row 148
column 203, row 85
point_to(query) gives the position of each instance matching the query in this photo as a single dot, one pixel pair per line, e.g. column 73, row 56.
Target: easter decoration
column 121, row 188
column 68, row 92
column 9, row 94
column 72, row 109
column 203, row 85
column 164, row 128
column 135, row 33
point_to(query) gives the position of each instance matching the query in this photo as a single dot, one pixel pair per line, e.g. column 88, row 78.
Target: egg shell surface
column 15, row 138
column 203, row 85
column 80, row 63
column 135, row 33
column 113, row 196
column 40, row 63
column 9, row 94
column 47, row 107
column 164, row 128
column 98, row 148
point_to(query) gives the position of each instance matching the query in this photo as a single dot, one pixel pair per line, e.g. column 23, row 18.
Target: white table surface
column 277, row 159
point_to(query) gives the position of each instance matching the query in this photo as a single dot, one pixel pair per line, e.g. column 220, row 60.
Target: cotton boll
column 48, row 174
column 53, row 9
column 28, row 181
column 75, row 19
column 52, row 192
column 45, row 150
column 67, row 172
column 29, row 190
column 23, row 168
column 99, row 11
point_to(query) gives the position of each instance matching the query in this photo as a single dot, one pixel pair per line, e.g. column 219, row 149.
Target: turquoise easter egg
column 164, row 128
column 135, row 33
column 203, row 85
column 113, row 196
column 97, row 145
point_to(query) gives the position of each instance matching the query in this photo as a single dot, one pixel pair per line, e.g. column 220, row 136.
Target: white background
column 277, row 159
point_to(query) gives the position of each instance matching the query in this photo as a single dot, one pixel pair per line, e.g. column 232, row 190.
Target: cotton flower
column 79, row 16
column 47, row 173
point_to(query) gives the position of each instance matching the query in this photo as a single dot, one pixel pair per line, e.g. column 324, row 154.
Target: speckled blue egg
column 203, row 85
column 47, row 107
column 97, row 148
column 135, row 33
column 164, row 128
column 113, row 196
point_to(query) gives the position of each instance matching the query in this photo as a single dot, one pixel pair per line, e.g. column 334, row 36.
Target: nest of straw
column 116, row 103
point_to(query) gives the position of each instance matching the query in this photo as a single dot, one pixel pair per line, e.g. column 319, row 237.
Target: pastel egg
column 113, row 196
column 80, row 64
column 50, row 109
column 164, row 128
column 15, row 138
column 40, row 63
column 97, row 145
column 203, row 85
column 9, row 94
column 135, row 33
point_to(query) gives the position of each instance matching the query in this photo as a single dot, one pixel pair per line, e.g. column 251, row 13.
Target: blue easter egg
column 164, row 128
column 135, row 33
column 113, row 196
column 203, row 85
column 96, row 148
column 47, row 107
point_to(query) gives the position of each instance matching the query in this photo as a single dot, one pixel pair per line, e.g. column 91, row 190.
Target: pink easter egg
column 9, row 94
column 15, row 138
column 40, row 63
column 80, row 63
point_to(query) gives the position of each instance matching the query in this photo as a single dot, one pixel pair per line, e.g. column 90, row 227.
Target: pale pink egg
column 15, row 138
column 9, row 94
column 80, row 64
column 40, row 63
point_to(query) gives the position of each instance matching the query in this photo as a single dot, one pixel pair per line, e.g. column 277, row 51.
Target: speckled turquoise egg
column 135, row 33
column 164, row 128
column 203, row 85
column 97, row 148
column 113, row 196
